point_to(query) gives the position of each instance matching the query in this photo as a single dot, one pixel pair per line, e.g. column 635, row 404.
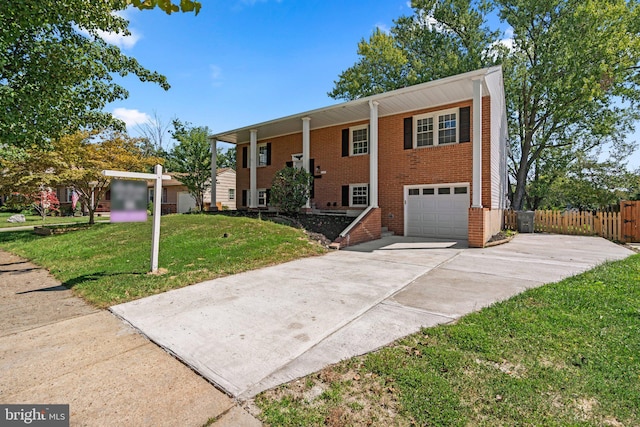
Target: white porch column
column 476, row 187
column 214, row 157
column 253, row 172
column 306, row 138
column 373, row 153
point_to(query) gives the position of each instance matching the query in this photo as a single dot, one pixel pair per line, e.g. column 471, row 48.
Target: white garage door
column 185, row 202
column 437, row 211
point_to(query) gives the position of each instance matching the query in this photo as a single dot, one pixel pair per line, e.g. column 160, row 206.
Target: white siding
column 226, row 181
column 499, row 134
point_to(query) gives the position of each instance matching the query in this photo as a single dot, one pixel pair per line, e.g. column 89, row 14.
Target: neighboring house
column 427, row 160
column 64, row 195
column 177, row 199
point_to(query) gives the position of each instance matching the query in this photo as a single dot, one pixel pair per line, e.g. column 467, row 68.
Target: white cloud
column 131, row 117
column 508, row 40
column 122, row 41
column 118, row 39
column 383, row 28
column 216, row 75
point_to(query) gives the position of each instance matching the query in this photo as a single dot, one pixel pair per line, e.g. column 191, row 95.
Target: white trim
column 355, row 128
column 373, row 154
column 259, row 163
column 214, row 172
column 435, row 115
column 258, row 198
column 231, row 136
column 405, row 193
column 253, row 173
column 477, row 145
column 351, row 187
column 356, row 221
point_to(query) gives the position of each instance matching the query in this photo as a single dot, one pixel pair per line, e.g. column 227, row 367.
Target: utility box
column 525, row 221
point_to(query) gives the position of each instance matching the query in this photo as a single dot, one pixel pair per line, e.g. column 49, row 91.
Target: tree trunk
column 92, row 216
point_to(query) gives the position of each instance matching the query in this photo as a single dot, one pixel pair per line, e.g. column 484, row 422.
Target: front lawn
column 108, row 263
column 565, row 354
column 36, row 220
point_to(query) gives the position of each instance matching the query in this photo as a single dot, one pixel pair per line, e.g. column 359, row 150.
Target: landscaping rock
column 17, row 218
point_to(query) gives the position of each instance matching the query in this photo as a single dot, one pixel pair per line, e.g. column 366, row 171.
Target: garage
column 440, row 211
column 186, row 202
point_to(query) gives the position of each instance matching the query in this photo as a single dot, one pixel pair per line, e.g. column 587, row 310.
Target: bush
column 290, row 189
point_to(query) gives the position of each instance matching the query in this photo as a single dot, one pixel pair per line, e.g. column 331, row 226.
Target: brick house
column 427, row 160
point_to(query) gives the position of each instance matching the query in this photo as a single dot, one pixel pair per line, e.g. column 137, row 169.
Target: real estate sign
column 128, row 201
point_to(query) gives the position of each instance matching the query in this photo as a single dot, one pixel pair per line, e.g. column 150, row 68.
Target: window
column 150, row 198
column 424, row 136
column 447, row 128
column 444, row 190
column 428, row 191
column 414, row 191
column 232, row 194
column 262, row 197
column 262, row 155
column 359, row 195
column 69, row 198
column 164, row 195
column 460, row 190
column 359, row 140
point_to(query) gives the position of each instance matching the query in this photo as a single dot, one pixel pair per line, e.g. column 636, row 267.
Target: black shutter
column 289, row 164
column 244, row 197
column 345, row 195
column 465, row 124
column 408, row 133
column 313, row 180
column 244, row 156
column 268, row 153
column 268, row 196
column 345, row 142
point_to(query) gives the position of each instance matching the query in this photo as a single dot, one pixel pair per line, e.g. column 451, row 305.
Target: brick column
column 476, row 227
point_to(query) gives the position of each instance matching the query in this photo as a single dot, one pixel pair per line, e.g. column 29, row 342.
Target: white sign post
column 157, row 177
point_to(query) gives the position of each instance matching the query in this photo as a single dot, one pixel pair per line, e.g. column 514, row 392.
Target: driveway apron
column 252, row 331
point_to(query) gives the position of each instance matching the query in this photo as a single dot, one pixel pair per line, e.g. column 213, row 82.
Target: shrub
column 290, row 189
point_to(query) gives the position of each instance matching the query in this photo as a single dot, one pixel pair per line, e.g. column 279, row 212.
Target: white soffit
column 425, row 95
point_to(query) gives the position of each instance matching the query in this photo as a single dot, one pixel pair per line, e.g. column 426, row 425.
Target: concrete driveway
column 252, row 331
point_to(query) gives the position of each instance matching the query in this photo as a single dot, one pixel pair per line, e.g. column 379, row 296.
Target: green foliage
column 226, row 158
column 191, row 158
column 571, row 73
column 441, row 39
column 290, row 189
column 56, row 73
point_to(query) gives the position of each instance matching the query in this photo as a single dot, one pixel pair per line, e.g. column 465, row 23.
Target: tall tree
column 75, row 161
column 154, row 133
column 226, row 158
column 191, row 158
column 572, row 75
column 442, row 38
column 54, row 78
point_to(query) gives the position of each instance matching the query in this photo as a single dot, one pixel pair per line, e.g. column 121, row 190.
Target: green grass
column 565, row 354
column 108, row 263
column 36, row 220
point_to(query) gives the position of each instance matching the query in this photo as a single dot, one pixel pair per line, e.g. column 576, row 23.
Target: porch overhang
column 425, row 95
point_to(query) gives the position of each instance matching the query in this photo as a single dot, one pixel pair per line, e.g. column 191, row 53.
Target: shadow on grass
column 20, row 235
column 92, row 277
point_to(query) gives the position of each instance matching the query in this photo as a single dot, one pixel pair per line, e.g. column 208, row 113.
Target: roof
column 431, row 94
column 173, row 182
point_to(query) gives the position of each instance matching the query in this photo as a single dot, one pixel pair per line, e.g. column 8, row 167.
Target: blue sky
column 241, row 62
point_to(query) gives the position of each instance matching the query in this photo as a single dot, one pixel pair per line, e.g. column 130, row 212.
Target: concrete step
column 385, row 232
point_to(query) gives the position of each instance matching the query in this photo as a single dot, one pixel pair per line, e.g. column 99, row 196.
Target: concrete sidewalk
column 56, row 349
column 252, row 331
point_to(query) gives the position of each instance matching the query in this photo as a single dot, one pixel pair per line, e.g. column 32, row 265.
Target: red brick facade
column 397, row 166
